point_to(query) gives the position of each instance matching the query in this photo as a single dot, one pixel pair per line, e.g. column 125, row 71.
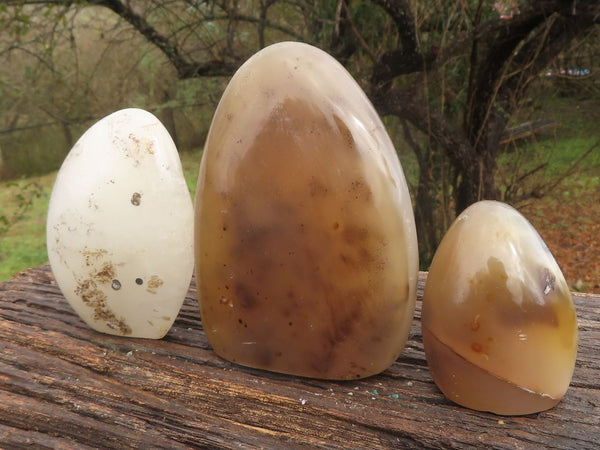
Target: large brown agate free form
column 499, row 325
column 306, row 252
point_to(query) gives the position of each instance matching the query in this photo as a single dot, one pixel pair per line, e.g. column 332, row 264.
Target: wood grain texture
column 63, row 385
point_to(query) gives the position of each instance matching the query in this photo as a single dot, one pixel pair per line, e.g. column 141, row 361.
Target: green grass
column 190, row 162
column 559, row 154
column 24, row 245
column 539, row 161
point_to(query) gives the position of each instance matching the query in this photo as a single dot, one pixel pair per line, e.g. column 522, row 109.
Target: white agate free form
column 120, row 227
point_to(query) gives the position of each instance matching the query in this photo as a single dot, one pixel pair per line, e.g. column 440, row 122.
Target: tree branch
column 185, row 68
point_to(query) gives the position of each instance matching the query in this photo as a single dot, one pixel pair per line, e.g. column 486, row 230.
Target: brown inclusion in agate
column 499, row 326
column 305, row 243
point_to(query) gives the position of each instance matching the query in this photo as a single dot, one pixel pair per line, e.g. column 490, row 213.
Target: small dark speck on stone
column 136, row 199
column 116, row 285
column 139, row 281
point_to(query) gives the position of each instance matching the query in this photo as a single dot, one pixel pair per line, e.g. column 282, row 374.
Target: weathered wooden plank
column 62, row 385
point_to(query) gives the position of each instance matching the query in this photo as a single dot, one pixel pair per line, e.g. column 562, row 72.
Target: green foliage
column 65, row 64
column 24, row 197
column 371, row 21
column 36, row 151
column 23, row 207
column 20, row 253
column 190, row 162
column 541, row 165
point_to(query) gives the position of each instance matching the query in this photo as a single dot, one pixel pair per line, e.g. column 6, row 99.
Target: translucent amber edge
column 482, row 390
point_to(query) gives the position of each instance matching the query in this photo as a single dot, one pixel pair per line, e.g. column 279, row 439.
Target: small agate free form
column 120, row 227
column 499, row 325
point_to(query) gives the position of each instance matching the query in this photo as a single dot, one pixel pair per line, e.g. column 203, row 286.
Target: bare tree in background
column 451, row 74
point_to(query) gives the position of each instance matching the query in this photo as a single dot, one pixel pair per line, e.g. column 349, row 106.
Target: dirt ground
column 571, row 228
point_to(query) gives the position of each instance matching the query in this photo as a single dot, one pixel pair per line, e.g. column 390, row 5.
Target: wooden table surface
column 63, row 385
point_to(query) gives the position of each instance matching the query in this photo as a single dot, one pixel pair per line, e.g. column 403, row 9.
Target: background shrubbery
column 64, row 65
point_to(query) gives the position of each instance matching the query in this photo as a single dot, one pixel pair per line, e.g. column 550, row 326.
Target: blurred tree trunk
column 67, row 134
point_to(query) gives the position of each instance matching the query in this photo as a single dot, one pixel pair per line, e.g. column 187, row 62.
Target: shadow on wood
column 65, row 385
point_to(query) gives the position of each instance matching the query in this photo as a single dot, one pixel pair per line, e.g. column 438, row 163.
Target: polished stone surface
column 120, row 227
column 306, row 251
column 499, row 326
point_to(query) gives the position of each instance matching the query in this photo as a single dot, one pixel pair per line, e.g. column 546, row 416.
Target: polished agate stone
column 499, row 325
column 120, row 227
column 306, row 253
